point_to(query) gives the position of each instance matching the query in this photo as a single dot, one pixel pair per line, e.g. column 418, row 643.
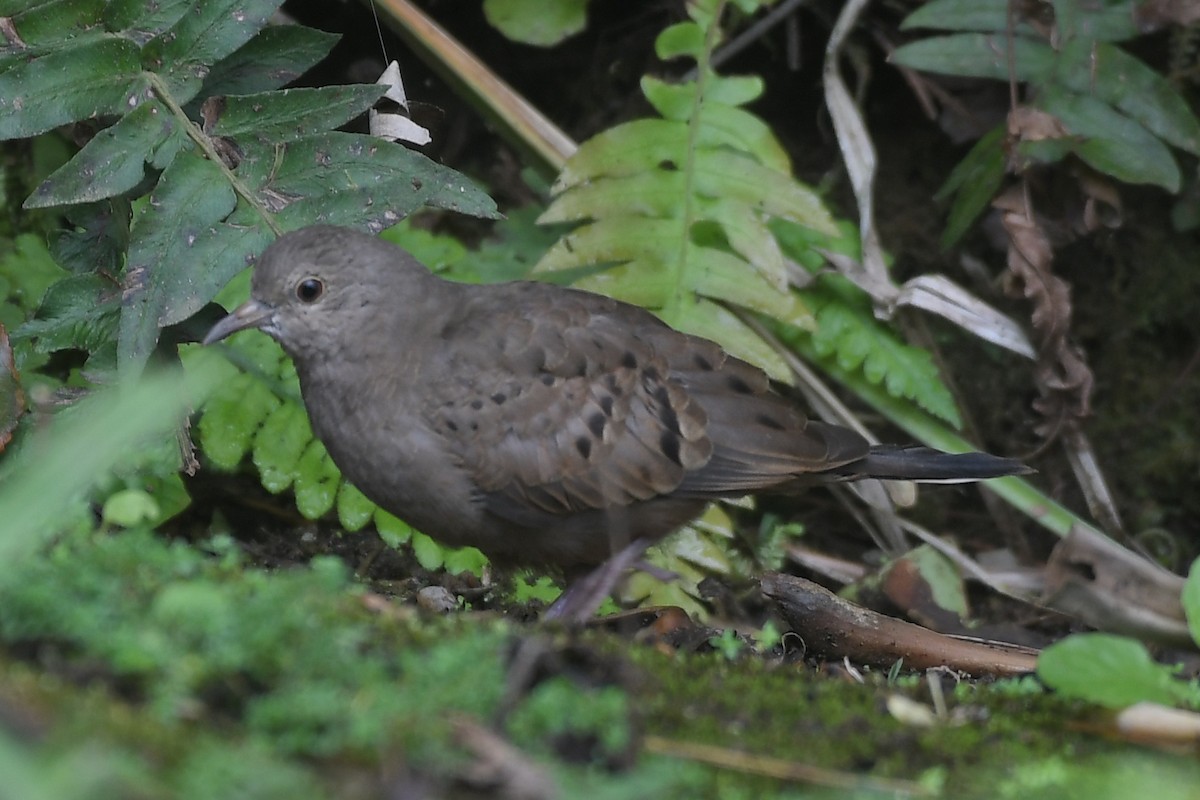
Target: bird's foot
column 582, row 597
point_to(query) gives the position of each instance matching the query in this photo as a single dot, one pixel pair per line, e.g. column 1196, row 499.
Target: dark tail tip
column 891, row 462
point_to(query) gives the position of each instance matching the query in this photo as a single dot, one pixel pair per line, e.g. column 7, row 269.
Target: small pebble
column 437, row 598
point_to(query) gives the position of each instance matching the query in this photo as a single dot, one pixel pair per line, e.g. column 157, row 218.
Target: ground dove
column 543, row 425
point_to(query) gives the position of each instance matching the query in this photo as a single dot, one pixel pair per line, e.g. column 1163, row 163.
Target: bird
column 544, row 425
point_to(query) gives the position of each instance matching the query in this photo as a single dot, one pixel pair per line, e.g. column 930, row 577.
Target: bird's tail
column 926, row 465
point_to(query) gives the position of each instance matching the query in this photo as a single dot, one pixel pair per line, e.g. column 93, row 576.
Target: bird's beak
column 250, row 314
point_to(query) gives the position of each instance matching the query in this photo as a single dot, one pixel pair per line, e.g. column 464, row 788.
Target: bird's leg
column 583, row 596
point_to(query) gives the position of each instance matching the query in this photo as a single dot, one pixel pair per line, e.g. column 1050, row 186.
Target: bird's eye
column 310, row 290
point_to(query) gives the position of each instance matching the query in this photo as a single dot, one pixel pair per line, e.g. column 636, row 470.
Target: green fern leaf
column 279, row 444
column 848, row 335
column 354, row 510
column 232, row 417
column 675, row 210
column 316, row 480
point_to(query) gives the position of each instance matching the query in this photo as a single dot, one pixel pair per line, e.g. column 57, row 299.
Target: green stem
column 205, row 144
column 681, row 298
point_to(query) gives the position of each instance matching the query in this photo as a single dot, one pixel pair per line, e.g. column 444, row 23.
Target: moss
column 163, row 670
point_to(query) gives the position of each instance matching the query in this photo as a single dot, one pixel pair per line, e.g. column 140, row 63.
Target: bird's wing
column 568, row 408
column 584, row 403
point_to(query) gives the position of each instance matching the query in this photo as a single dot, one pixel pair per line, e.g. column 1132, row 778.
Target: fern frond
column 673, row 211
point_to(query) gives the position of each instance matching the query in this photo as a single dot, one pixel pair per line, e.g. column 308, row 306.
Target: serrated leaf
column 279, row 445
column 161, row 285
column 858, row 343
column 1108, row 73
column 354, row 510
column 202, row 37
column 231, row 419
column 114, row 161
column 77, row 312
column 143, row 21
column 316, row 481
column 337, row 178
column 96, row 238
column 1111, row 142
column 355, row 180
column 290, row 114
column 979, row 55
column 43, row 25
column 543, row 23
column 277, row 55
column 95, row 78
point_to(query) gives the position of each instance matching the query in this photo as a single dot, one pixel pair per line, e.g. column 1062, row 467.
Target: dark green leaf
column 276, row 56
column 978, row 55
column 97, row 239
column 1110, row 74
column 161, row 276
column 43, row 25
column 1095, row 20
column 960, row 15
column 206, row 34
column 973, row 182
column 1112, row 142
column 114, row 160
column 290, row 114
column 142, row 21
column 356, row 180
column 98, row 77
column 1045, row 151
column 78, row 312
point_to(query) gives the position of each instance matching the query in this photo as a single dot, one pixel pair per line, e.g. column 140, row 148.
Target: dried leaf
column 1062, row 376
